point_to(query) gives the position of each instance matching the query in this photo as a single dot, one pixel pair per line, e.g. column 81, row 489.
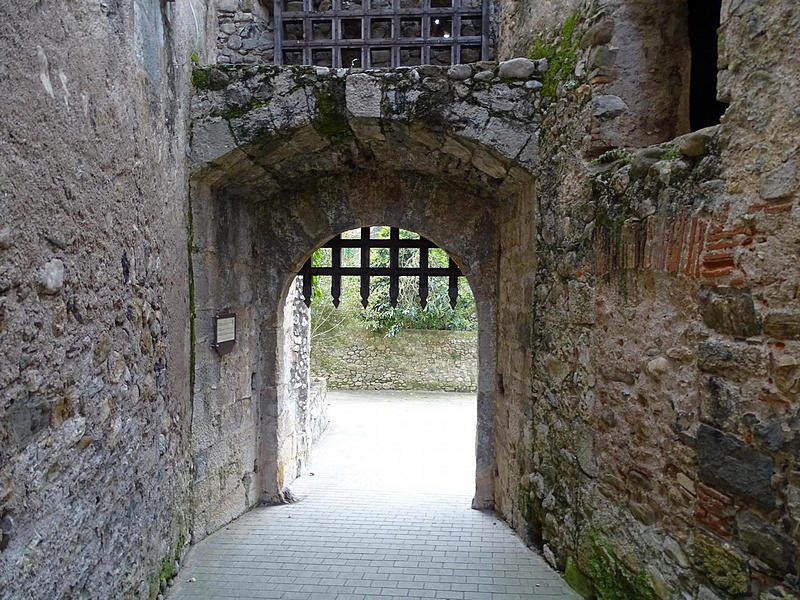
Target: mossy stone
column 721, row 566
column 577, row 580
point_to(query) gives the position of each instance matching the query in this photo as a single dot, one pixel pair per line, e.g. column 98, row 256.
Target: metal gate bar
column 394, row 271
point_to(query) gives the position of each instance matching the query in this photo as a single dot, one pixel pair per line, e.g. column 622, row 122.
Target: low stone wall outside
column 411, row 360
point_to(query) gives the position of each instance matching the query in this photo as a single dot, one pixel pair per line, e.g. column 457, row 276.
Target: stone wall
column 659, row 443
column 245, row 31
column 313, row 421
column 95, row 404
column 634, row 54
column 637, row 294
column 354, row 358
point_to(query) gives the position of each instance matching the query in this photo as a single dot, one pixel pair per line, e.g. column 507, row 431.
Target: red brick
column 772, row 398
column 718, row 260
column 717, row 272
column 716, row 494
column 723, row 235
column 715, row 525
column 723, row 245
column 771, row 210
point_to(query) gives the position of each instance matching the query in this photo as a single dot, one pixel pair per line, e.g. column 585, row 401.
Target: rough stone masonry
column 636, row 283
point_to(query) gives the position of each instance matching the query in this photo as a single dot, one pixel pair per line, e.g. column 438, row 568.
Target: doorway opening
column 704, row 20
column 393, row 367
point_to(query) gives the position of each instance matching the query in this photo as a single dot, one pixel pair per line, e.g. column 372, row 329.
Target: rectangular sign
column 226, row 330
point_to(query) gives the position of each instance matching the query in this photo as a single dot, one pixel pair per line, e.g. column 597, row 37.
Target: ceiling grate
column 380, row 33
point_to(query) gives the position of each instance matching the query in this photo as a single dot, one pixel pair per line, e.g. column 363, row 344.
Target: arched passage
column 252, row 232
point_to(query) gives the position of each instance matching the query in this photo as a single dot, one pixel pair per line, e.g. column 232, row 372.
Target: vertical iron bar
column 394, row 264
column 307, row 281
column 336, row 279
column 364, row 266
column 485, row 30
column 278, row 33
column 453, row 283
column 423, row 276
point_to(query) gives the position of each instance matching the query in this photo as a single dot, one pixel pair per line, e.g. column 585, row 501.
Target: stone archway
column 263, row 204
column 481, row 280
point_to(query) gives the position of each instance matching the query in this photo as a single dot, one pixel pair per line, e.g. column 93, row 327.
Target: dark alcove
column 704, row 17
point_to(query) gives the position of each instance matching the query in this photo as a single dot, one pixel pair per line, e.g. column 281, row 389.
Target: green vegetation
column 577, row 580
column 722, row 567
column 614, row 155
column 195, row 57
column 670, row 154
column 613, row 580
column 200, row 78
column 561, row 56
column 331, row 121
column 167, row 568
column 237, row 111
column 380, row 315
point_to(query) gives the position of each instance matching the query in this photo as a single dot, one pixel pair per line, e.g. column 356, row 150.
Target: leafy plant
column 379, row 314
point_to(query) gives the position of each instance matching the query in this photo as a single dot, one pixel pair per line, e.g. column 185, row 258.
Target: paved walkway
column 385, row 514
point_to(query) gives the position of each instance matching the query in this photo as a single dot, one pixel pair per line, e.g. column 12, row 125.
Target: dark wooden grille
column 380, row 33
column 394, row 271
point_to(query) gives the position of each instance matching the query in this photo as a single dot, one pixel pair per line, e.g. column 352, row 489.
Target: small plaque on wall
column 224, row 332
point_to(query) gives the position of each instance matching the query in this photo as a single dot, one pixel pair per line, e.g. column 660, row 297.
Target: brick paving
column 386, row 514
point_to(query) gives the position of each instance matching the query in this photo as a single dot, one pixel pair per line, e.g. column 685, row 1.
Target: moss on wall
column 611, row 579
column 562, row 56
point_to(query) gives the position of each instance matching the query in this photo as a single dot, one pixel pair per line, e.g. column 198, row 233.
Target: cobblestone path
column 385, row 514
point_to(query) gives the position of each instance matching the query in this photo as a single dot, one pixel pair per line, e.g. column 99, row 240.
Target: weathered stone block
column 581, row 303
column 363, row 96
column 782, row 325
column 658, row 366
column 24, row 419
column 517, row 68
column 6, row 237
column 727, row 463
column 773, row 547
column 228, row 5
column 599, row 33
column 725, row 358
column 608, row 107
column 779, row 182
column 787, row 375
column 778, row 593
column 211, row 140
column 602, row 57
column 720, row 408
column 459, row 72
column 729, row 310
column 695, row 144
column 613, row 373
